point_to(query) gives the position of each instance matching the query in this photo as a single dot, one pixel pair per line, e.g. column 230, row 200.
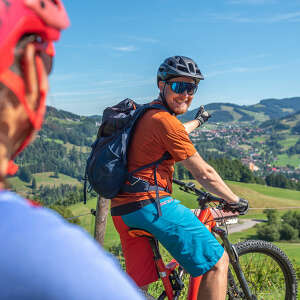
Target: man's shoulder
column 161, row 117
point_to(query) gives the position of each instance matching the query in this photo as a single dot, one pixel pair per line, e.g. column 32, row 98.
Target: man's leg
column 138, row 255
column 213, row 285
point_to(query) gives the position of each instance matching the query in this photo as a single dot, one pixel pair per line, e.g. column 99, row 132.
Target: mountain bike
column 258, row 269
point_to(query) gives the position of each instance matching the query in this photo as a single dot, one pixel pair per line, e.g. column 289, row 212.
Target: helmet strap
column 16, row 84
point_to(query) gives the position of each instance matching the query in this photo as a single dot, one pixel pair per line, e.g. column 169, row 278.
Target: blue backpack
column 106, row 168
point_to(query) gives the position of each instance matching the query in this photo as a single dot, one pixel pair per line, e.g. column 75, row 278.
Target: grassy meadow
column 45, row 178
column 259, row 197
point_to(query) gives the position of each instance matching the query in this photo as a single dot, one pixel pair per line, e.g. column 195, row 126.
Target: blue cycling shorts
column 180, row 232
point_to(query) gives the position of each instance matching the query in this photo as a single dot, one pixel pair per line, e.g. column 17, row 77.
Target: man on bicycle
column 42, row 256
column 177, row 229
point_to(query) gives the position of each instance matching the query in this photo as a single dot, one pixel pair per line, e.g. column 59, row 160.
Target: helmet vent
column 170, row 63
column 191, row 67
column 181, row 61
column 184, row 69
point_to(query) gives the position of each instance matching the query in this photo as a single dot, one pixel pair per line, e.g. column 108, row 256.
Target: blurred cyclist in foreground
column 42, row 256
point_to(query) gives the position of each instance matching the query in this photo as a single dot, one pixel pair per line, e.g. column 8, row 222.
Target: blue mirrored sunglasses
column 180, row 87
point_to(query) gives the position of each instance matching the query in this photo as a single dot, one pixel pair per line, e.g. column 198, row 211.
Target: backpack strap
column 138, row 185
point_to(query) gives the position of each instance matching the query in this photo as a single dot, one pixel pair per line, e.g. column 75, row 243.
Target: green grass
column 289, row 142
column 84, row 149
column 245, row 147
column 87, row 221
column 20, row 186
column 261, row 117
column 54, row 140
column 258, row 139
column 236, row 115
column 259, row 196
column 271, row 195
column 284, row 159
column 46, row 178
column 292, row 251
column 265, row 190
column 64, row 121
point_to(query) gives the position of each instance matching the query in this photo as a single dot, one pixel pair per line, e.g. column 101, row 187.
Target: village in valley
column 260, row 149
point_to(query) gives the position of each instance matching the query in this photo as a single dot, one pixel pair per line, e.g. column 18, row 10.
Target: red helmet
column 43, row 18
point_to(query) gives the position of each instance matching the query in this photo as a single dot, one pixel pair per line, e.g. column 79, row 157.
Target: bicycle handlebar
column 203, row 198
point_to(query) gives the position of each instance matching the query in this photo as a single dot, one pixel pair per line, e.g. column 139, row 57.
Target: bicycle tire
column 256, row 259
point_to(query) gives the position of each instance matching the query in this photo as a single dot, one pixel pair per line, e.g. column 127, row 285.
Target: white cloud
column 144, row 39
column 238, row 18
column 104, row 88
column 125, row 48
column 295, row 16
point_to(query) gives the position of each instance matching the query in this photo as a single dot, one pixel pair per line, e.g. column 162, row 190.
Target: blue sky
column 248, row 50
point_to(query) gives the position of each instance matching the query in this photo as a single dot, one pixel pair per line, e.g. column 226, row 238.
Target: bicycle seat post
column 155, row 247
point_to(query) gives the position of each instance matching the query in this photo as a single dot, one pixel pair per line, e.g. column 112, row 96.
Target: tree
column 273, row 216
column 293, row 219
column 25, row 175
column 268, row 232
column 33, row 183
column 287, row 232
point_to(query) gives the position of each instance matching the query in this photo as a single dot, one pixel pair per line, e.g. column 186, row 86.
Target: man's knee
column 222, row 264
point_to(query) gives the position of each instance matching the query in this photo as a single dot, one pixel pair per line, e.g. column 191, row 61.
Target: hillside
column 265, row 110
column 259, row 197
column 63, row 144
column 288, row 124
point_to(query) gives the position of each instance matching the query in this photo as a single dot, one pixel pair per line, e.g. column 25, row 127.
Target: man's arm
column 209, row 178
column 200, row 118
column 191, row 126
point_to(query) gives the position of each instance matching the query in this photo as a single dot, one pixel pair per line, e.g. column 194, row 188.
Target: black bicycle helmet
column 177, row 66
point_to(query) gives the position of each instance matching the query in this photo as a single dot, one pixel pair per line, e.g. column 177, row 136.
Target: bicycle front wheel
column 268, row 272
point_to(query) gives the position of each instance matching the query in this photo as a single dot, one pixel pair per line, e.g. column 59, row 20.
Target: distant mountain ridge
column 265, row 110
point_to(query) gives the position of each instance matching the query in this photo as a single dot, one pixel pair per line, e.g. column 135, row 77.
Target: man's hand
column 202, row 115
column 241, row 207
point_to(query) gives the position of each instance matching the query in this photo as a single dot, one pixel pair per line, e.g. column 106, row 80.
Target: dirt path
column 247, row 223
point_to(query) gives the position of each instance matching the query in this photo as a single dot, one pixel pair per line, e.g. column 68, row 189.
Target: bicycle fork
column 234, row 260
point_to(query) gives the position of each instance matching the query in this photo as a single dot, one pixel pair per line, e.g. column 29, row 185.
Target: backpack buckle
column 137, row 179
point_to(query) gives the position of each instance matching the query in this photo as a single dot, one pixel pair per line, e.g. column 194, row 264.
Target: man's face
column 178, row 103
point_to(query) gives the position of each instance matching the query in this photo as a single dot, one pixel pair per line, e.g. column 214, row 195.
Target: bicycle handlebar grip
column 181, row 183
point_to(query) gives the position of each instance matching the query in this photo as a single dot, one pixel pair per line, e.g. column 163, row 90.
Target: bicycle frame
column 171, row 280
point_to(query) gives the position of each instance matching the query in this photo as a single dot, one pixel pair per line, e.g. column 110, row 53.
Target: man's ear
column 35, row 76
column 161, row 85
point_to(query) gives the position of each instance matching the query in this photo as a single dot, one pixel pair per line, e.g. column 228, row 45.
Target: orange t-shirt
column 156, row 132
